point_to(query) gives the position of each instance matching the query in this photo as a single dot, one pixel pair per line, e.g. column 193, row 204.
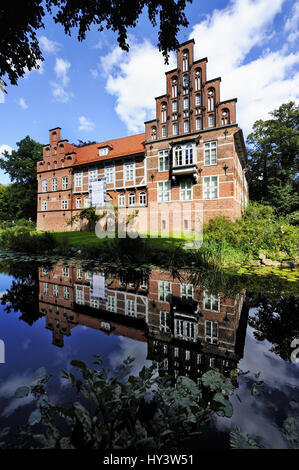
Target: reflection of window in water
column 131, row 307
column 66, row 292
column 176, row 352
column 211, row 302
column 164, row 291
column 80, row 296
column 94, row 302
column 211, row 332
column 79, row 273
column 185, row 329
column 65, row 271
column 110, row 305
column 164, row 321
column 105, row 326
column 46, row 288
column 186, row 291
column 143, row 284
column 55, row 290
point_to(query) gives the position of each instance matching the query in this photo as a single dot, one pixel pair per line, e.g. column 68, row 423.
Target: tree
column 273, row 159
column 20, row 165
column 88, row 213
column 19, row 46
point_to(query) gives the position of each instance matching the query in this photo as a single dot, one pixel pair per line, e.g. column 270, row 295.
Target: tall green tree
column 20, row 197
column 273, row 159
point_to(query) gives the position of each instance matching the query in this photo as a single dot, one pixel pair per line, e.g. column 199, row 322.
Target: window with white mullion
column 163, row 191
column 211, row 332
column 163, row 160
column 210, row 187
column 164, row 290
column 131, row 307
column 186, row 291
column 92, row 174
column 44, row 186
column 211, row 302
column 129, row 172
column 110, row 174
column 210, row 153
column 184, row 155
column 78, row 180
column 164, row 321
column 186, row 190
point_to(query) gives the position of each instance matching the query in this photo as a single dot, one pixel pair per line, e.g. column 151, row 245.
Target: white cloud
column 23, row 103
column 261, row 82
column 59, row 87
column 61, row 69
column 51, row 47
column 85, row 124
column 135, row 78
column 292, row 23
column 4, row 147
column 98, row 45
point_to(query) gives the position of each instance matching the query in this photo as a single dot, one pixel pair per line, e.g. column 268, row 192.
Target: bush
column 22, row 239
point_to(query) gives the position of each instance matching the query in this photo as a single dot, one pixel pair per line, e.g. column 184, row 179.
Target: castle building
column 192, row 153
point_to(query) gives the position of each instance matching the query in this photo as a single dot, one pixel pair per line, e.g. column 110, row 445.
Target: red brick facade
column 192, row 154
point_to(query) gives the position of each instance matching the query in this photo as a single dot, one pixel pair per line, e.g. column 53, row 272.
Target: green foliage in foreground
column 258, row 230
column 123, row 411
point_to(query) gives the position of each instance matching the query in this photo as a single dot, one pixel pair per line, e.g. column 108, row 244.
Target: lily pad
column 40, row 373
column 35, row 418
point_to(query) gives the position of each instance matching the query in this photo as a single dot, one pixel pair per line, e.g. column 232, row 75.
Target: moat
column 51, row 313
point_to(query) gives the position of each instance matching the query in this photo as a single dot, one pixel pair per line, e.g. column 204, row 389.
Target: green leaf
column 223, row 405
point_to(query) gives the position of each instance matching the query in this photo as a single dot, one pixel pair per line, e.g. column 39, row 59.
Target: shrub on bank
column 22, row 239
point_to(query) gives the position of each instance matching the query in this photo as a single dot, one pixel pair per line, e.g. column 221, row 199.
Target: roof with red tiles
column 131, row 145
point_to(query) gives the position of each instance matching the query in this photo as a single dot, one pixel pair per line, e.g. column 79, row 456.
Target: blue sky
column 94, row 91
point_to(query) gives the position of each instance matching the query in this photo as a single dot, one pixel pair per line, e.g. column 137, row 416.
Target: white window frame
column 54, row 184
column 187, row 291
column 87, row 202
column 205, row 179
column 198, row 123
column 110, row 174
column 185, row 329
column 175, row 106
column 65, row 182
column 210, row 153
column 210, row 336
column 175, row 129
column 92, row 174
column 164, row 160
column 44, row 205
column 131, row 307
column 111, row 303
column 186, row 193
column 46, row 288
column 55, row 290
column 78, row 178
column 65, row 271
column 186, row 102
column 80, row 298
column 129, row 169
column 164, row 191
column 211, row 120
column 132, row 199
column 210, row 300
column 182, row 155
column 66, row 292
column 164, row 133
column 142, row 198
column 78, row 203
column 122, row 200
column 103, row 151
column 164, row 291
column 164, row 321
column 44, row 186
column 64, row 204
column 186, row 126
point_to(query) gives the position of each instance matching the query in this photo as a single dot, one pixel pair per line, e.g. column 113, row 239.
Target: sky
column 94, row 91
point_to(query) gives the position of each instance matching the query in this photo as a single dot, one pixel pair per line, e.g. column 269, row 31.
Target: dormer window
column 225, row 119
column 154, row 133
column 163, row 112
column 103, row 151
column 197, row 81
column 211, row 99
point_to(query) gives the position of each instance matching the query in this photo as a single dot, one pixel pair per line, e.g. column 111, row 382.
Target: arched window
column 121, row 200
column 197, row 80
column 225, row 117
column 132, row 199
column 142, row 198
column 211, row 99
column 154, row 133
column 185, row 61
column 163, row 112
column 174, row 87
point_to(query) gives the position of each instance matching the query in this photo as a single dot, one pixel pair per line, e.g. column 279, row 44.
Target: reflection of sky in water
column 27, row 348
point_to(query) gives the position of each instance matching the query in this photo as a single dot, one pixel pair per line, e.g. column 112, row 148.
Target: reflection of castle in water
column 187, row 328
